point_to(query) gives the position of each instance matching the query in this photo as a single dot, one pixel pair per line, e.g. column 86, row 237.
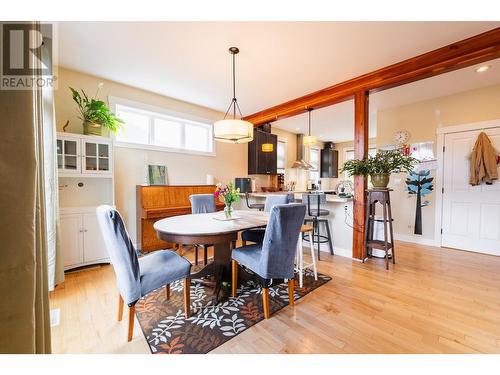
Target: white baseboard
column 347, row 253
column 415, row 239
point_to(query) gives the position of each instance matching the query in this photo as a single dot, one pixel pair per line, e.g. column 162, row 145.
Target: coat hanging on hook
column 483, row 161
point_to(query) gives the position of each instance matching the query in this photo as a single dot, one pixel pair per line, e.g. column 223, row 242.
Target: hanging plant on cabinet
column 419, row 183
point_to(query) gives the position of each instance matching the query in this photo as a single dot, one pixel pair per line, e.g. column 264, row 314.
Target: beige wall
column 421, row 120
column 291, row 144
column 230, row 160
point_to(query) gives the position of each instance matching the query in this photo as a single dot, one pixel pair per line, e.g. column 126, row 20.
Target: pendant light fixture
column 309, row 140
column 233, row 130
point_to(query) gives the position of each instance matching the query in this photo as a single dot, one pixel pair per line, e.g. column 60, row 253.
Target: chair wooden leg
column 234, row 278
column 265, row 302
column 243, row 243
column 179, row 248
column 167, row 291
column 131, row 315
column 187, row 297
column 120, row 307
column 291, row 285
column 196, row 255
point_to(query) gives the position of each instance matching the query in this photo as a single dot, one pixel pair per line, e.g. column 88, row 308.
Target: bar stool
column 255, row 206
column 300, row 254
column 381, row 196
column 314, row 210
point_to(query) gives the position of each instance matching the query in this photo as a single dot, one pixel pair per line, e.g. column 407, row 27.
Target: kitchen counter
column 332, row 198
column 339, row 218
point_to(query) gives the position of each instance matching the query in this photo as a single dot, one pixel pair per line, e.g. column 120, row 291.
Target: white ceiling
column 279, row 61
column 335, row 123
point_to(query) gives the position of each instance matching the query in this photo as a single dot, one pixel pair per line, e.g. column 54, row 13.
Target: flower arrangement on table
column 227, row 194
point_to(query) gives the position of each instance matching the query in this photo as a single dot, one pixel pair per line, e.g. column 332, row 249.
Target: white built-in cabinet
column 81, row 239
column 85, row 179
column 88, row 155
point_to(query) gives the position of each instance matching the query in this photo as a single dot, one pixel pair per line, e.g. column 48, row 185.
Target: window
column 155, row 129
column 314, row 161
column 281, row 153
column 349, row 155
column 136, row 129
column 167, row 133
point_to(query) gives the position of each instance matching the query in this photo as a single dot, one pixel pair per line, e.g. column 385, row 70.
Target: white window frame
column 318, row 166
column 162, row 113
column 285, row 142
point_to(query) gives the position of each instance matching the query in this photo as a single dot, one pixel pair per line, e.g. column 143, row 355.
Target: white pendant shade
column 233, row 131
column 309, row 140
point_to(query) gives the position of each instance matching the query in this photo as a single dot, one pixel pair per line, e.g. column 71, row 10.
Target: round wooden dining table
column 213, row 229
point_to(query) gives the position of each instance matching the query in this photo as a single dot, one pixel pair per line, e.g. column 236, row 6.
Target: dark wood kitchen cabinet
column 329, row 163
column 260, row 162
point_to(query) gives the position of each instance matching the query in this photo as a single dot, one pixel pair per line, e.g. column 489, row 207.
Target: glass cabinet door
column 96, row 158
column 67, row 155
column 90, row 157
column 103, row 163
column 59, row 154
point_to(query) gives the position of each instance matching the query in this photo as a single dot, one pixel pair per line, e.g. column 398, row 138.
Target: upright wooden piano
column 157, row 202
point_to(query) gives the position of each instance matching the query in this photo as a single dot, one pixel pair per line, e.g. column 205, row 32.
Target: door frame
column 441, row 133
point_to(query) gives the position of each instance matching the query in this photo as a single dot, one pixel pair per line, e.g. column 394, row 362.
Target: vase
column 228, row 211
column 91, row 128
column 380, row 180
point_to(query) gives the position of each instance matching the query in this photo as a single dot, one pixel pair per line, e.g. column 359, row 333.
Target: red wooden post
column 360, row 182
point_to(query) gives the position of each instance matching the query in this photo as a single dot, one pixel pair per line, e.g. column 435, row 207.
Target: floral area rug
column 168, row 332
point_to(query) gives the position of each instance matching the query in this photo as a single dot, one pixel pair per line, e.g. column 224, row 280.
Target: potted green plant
column 94, row 113
column 380, row 166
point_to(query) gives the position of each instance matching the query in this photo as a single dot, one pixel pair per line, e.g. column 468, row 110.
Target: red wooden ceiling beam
column 467, row 52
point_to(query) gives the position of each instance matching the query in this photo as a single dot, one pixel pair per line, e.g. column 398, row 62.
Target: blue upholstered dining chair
column 136, row 277
column 274, row 257
column 202, row 204
column 257, row 235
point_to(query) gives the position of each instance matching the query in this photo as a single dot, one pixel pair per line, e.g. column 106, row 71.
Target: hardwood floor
column 432, row 301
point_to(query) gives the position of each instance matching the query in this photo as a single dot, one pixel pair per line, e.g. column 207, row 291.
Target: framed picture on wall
column 156, row 174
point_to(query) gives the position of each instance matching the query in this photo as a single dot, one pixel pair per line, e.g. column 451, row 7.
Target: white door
column 471, row 214
column 93, row 243
column 71, row 239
